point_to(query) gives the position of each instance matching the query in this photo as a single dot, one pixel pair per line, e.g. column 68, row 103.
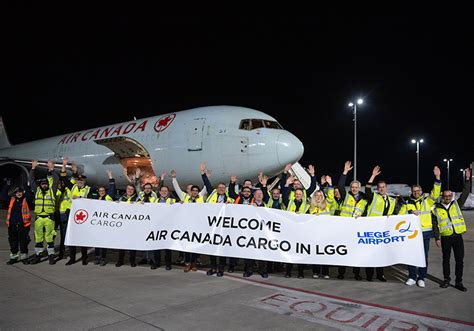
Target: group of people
column 440, row 215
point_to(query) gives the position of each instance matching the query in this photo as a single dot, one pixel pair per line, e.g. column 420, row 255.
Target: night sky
column 414, row 70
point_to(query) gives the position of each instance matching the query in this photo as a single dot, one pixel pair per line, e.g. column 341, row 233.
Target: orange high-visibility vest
column 25, row 212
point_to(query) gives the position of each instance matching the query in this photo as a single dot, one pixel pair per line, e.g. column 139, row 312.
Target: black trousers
column 369, row 272
column 321, row 269
column 289, row 268
column 217, row 266
column 72, row 252
column 262, row 265
column 342, row 270
column 157, row 257
column 121, row 256
column 62, row 224
column 100, row 253
column 455, row 242
column 18, row 236
column 190, row 257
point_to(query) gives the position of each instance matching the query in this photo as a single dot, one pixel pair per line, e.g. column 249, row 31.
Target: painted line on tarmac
column 451, row 322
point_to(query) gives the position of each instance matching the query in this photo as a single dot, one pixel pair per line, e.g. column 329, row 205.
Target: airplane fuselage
column 219, row 136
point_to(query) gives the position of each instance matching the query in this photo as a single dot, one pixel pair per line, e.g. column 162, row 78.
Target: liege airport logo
column 164, row 122
column 385, row 238
column 407, row 230
column 81, row 216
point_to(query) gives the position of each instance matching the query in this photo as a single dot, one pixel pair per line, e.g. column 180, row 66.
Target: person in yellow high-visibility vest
column 379, row 204
column 353, row 204
column 320, row 205
column 79, row 190
column 421, row 205
column 45, row 202
column 447, row 216
column 217, row 195
column 299, row 205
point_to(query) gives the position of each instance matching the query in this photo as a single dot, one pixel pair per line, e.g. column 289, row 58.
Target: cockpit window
column 252, row 124
column 272, row 125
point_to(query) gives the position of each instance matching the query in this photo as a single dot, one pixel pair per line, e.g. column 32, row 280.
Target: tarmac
column 77, row 297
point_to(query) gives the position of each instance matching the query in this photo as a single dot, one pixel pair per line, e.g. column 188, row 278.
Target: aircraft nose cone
column 289, row 148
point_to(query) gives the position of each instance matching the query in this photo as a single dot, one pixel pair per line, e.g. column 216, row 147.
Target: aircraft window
column 272, row 125
column 257, row 124
column 252, row 124
column 245, row 125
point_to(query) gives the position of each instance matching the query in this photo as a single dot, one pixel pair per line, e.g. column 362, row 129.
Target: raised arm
column 341, row 185
column 205, row 179
column 34, row 164
column 368, row 188
column 285, row 190
column 436, row 191
column 176, row 187
column 314, row 182
column 232, row 192
column 263, row 186
column 63, row 174
column 53, row 176
column 112, row 188
column 284, row 175
column 330, row 194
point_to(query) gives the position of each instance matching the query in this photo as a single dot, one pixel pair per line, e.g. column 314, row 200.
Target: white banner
column 247, row 232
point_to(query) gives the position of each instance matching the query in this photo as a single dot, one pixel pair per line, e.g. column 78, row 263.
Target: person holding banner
column 321, row 206
column 217, row 195
column 379, row 204
column 353, row 204
column 105, row 194
column 130, row 196
column 258, row 201
column 79, row 190
column 147, row 196
column 193, row 197
column 450, row 221
column 421, row 205
column 299, row 205
column 164, row 197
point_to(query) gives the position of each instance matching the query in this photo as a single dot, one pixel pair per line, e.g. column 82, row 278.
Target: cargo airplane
column 230, row 140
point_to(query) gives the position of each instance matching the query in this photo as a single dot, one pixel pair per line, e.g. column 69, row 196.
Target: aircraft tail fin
column 4, row 142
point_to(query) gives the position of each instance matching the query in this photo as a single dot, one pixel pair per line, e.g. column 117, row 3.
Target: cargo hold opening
column 133, row 156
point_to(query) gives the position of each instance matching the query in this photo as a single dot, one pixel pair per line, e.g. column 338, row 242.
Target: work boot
column 193, row 267
column 445, row 283
column 36, row 259
column 61, row 254
column 12, row 261
column 460, row 287
column 71, row 261
column 51, row 259
column 84, row 261
column 103, row 262
column 97, row 260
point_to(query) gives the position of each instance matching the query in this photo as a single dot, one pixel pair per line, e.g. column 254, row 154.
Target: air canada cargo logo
column 164, row 122
column 81, row 216
column 403, row 233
